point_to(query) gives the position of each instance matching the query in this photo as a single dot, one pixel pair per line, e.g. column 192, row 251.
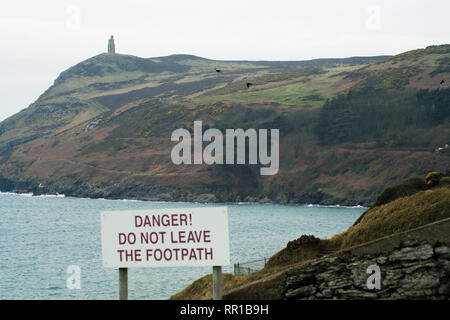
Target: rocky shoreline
column 160, row 193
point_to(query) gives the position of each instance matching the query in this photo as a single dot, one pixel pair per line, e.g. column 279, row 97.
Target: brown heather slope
column 348, row 174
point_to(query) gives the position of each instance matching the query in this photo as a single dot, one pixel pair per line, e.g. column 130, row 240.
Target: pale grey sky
column 40, row 39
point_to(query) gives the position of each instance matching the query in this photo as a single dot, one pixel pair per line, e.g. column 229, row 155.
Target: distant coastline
column 155, row 193
column 310, row 205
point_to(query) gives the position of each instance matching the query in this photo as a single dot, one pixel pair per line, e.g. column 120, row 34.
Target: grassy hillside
column 103, row 129
column 105, row 82
column 400, row 214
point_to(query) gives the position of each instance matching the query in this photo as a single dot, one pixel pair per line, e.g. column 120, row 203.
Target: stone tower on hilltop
column 111, row 46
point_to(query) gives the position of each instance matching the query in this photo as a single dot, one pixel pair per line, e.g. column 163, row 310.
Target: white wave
column 50, row 196
column 125, row 200
column 30, row 194
column 17, row 194
column 334, row 206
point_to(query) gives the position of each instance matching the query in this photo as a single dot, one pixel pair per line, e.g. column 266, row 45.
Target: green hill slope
column 87, row 89
column 103, row 129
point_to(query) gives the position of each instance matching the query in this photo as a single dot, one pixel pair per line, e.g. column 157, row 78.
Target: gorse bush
column 432, row 179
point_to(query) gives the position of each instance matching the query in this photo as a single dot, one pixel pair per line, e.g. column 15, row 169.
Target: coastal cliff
column 407, row 238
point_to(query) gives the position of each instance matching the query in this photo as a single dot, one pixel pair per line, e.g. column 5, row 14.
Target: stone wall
column 413, row 265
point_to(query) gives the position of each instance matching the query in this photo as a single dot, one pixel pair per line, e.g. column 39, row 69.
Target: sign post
column 217, row 283
column 166, row 238
column 123, row 283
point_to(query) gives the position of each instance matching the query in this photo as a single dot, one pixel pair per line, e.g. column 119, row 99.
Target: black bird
column 249, row 84
column 217, row 70
column 442, row 81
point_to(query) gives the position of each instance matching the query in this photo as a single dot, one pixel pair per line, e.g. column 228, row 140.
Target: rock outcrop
column 412, row 265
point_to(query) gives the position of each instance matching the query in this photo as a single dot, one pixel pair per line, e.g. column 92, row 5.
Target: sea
column 43, row 239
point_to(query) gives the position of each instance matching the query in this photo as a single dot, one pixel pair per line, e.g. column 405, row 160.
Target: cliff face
column 415, row 265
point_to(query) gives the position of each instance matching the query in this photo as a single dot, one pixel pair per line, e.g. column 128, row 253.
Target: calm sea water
column 40, row 237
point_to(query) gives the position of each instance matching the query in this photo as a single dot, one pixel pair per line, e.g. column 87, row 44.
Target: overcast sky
column 40, row 39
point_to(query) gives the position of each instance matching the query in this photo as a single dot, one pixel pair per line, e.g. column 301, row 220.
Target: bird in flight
column 217, row 70
column 442, row 81
column 249, row 84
